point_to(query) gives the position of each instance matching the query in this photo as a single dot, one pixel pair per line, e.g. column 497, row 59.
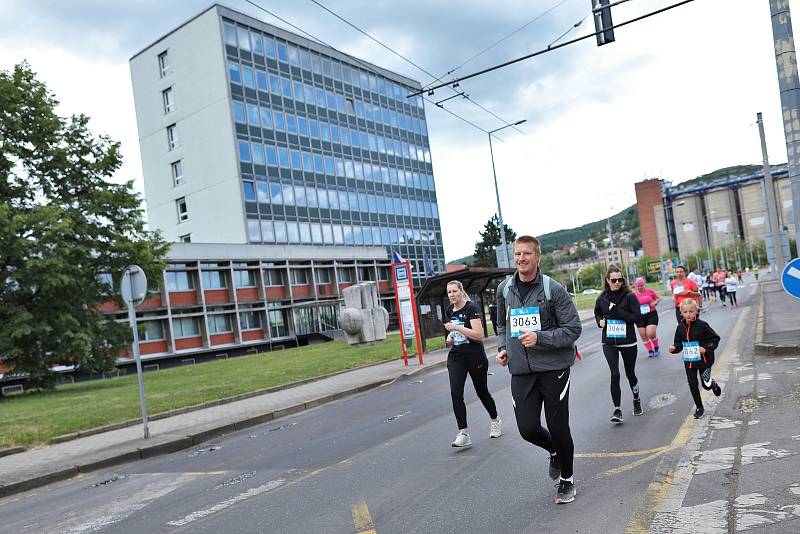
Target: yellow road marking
column 657, row 491
column 362, row 520
column 621, row 454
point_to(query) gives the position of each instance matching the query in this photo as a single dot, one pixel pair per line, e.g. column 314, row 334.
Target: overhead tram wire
column 366, row 66
column 456, row 81
column 401, row 56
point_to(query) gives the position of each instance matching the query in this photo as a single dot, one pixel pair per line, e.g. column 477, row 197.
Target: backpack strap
column 505, row 284
column 545, row 284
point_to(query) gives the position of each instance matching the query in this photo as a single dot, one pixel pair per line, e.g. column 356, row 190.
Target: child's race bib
column 525, row 318
column 691, row 351
column 615, row 328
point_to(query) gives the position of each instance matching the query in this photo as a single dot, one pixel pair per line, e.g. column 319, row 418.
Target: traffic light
column 602, row 21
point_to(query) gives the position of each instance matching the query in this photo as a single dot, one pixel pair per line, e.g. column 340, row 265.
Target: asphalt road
column 382, row 462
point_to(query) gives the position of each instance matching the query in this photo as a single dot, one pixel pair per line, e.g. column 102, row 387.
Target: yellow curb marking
column 362, row 520
column 656, row 492
column 621, row 454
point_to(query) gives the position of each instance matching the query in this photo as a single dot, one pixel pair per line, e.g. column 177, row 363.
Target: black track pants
column 732, row 297
column 612, row 354
column 705, row 380
column 551, row 389
column 477, row 366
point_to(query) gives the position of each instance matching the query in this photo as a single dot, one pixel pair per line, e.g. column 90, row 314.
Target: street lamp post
column 497, row 194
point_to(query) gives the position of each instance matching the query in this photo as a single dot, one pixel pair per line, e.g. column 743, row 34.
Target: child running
column 697, row 341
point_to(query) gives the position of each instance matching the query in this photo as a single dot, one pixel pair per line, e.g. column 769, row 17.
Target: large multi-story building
column 250, row 134
column 708, row 214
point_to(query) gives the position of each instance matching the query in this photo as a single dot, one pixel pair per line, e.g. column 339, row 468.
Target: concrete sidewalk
column 38, row 467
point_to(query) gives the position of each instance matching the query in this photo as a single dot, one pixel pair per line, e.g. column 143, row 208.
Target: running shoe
column 617, row 417
column 462, row 440
column 698, row 413
column 555, row 467
column 496, row 429
column 651, row 354
column 637, row 407
column 716, row 388
column 566, row 492
column 657, row 352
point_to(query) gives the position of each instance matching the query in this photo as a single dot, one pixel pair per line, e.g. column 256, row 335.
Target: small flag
column 397, row 258
column 426, row 260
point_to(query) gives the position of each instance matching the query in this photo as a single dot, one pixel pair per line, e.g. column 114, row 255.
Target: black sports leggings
column 705, row 375
column 612, row 354
column 458, row 365
column 551, row 389
column 731, row 297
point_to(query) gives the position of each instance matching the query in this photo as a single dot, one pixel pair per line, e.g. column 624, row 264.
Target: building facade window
column 163, row 64
column 185, row 238
column 168, row 98
column 173, row 141
column 244, row 278
column 277, row 324
column 323, row 275
column 214, row 280
column 151, row 331
column 185, row 327
column 219, row 324
column 183, row 210
column 250, row 320
column 177, row 172
column 180, row 281
column 299, row 277
column 273, row 277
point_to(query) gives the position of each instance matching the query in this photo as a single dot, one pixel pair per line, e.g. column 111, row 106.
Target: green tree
column 64, row 229
column 490, row 238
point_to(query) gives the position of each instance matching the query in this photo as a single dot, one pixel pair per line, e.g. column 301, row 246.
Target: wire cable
column 456, row 81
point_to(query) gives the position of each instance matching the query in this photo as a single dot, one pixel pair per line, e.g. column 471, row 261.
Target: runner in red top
column 648, row 300
column 683, row 288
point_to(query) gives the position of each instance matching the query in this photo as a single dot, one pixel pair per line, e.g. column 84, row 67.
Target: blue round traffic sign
column 790, row 279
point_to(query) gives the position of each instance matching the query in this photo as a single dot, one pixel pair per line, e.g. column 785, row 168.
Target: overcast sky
column 675, row 96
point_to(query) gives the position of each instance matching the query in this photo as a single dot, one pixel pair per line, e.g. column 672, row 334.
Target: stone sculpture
column 362, row 318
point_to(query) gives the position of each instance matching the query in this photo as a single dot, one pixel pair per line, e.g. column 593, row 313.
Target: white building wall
column 204, row 122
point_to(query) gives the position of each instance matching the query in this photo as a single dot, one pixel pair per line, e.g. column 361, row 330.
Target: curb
column 178, row 443
column 768, row 349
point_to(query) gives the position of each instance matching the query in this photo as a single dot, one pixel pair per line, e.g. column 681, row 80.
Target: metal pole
column 499, row 211
column 789, row 86
column 137, row 357
column 772, row 211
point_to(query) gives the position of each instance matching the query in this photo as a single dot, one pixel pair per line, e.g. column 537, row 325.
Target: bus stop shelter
column 432, row 301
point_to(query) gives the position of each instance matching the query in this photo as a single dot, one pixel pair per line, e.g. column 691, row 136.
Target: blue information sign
column 790, row 279
column 401, row 273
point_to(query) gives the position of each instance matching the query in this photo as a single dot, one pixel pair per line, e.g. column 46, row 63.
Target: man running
column 537, row 329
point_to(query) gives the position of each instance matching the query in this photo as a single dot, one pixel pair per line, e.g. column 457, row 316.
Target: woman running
column 731, row 283
column 617, row 312
column 467, row 356
column 648, row 300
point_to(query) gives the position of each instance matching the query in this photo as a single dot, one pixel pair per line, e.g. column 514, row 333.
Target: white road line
column 254, row 492
column 121, row 508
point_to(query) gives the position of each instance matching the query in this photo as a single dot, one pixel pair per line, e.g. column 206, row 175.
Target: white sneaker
column 496, row 428
column 462, row 440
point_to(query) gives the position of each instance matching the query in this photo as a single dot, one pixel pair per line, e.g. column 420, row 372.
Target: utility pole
column 789, row 86
column 772, row 211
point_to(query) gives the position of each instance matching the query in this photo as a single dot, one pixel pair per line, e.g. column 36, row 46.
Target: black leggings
column 731, row 297
column 551, row 389
column 612, row 354
column 458, row 365
column 707, row 381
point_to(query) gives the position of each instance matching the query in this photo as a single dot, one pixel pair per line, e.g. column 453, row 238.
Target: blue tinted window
column 348, row 169
column 311, row 197
column 298, row 91
column 258, row 44
column 339, row 167
column 364, row 140
column 300, row 195
column 376, row 235
column 244, row 151
column 308, row 93
column 280, row 232
column 362, row 202
column 358, row 170
column 323, row 199
column 341, row 107
column 353, row 200
column 325, row 130
column 313, row 127
column 230, row 34
column 272, row 156
column 234, row 73
column 291, row 124
column 288, row 195
column 274, row 84
column 253, row 115
column 266, row 118
column 282, row 53
column 319, row 165
column 275, row 193
column 249, row 77
column 280, row 124
column 329, row 167
column 308, row 162
column 283, row 157
column 302, row 126
column 296, row 160
column 359, row 109
column 258, row 153
column 330, row 100
column 238, row 112
column 249, row 191
column 320, row 94
column 269, row 46
column 344, row 202
column 333, row 199
column 261, row 79
column 287, row 87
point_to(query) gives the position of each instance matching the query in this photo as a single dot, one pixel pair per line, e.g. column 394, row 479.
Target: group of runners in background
column 538, row 326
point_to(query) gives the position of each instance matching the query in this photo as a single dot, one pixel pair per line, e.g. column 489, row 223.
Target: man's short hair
column 682, row 267
column 537, row 245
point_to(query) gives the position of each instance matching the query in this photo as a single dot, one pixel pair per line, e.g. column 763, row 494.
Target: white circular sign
column 133, row 285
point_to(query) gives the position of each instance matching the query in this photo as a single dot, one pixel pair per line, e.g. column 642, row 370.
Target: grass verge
column 35, row 418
